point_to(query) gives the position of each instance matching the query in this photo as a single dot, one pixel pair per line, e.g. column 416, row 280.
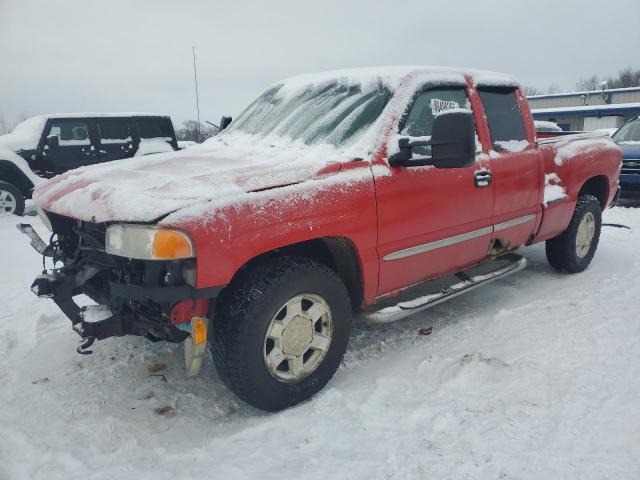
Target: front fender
column 229, row 234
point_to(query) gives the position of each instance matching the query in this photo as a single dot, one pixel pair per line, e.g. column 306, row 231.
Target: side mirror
column 452, row 143
column 224, row 122
column 52, row 141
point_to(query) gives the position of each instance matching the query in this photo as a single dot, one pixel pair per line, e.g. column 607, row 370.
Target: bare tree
column 589, row 83
column 627, row 77
column 529, row 91
column 190, row 131
column 554, row 88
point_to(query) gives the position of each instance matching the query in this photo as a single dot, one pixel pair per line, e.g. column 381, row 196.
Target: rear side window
column 504, row 116
column 155, row 128
column 114, row 131
column 70, row 132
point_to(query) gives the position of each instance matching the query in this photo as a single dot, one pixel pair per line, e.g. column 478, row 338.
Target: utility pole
column 195, row 80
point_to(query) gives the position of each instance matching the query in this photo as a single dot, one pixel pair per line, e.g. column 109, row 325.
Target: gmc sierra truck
column 376, row 192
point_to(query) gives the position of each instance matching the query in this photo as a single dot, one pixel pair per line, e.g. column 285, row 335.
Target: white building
column 588, row 110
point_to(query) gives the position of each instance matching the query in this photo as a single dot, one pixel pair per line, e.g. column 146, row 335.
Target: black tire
column 244, row 313
column 562, row 251
column 16, row 194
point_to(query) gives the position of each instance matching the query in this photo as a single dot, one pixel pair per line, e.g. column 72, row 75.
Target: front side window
column 628, row 133
column 70, row 132
column 506, row 125
column 155, row 128
column 114, row 131
column 426, row 107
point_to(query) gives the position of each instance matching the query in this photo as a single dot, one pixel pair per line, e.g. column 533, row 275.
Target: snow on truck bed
column 532, row 377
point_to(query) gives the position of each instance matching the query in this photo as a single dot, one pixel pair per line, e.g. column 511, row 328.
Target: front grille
column 631, row 167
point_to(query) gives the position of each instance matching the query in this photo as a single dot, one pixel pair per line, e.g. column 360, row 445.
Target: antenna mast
column 195, row 80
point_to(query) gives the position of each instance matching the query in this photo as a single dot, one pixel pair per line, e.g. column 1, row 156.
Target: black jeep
column 47, row 145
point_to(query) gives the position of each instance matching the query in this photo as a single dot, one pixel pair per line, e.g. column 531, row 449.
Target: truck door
column 431, row 220
column 116, row 141
column 75, row 146
column 516, row 169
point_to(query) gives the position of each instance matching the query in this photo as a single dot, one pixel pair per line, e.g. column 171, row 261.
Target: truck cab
column 48, row 145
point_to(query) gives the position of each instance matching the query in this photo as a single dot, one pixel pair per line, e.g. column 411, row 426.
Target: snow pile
column 148, row 146
column 573, row 145
column 513, row 145
column 553, row 191
column 531, row 377
column 25, row 135
column 546, row 126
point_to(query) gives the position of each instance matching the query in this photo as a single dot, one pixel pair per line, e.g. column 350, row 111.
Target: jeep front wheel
column 280, row 331
column 11, row 199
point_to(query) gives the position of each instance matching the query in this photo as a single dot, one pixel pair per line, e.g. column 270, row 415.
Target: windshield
column 334, row 112
column 629, row 132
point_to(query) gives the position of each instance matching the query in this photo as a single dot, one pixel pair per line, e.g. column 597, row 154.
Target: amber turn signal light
column 169, row 244
column 199, row 330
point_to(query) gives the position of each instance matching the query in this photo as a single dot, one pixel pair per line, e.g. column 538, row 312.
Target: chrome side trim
column 445, row 242
column 514, row 222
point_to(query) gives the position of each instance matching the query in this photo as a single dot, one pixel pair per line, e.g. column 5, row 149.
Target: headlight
column 147, row 242
column 45, row 219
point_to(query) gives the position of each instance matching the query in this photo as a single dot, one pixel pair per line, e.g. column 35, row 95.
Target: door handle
column 482, row 178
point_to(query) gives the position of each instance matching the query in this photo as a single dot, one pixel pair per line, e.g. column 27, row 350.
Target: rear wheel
column 574, row 249
column 280, row 331
column 11, row 199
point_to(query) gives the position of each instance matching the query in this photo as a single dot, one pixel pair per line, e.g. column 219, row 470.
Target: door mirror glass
column 224, row 122
column 452, row 143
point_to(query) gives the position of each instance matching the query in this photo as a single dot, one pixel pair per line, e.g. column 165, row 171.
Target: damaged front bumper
column 158, row 312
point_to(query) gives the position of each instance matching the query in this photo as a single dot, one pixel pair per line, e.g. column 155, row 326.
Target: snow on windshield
column 336, row 111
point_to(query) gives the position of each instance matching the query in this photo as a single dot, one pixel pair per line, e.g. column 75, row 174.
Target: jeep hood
column 148, row 188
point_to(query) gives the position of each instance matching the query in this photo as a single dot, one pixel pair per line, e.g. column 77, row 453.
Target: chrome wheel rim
column 7, row 202
column 586, row 232
column 298, row 338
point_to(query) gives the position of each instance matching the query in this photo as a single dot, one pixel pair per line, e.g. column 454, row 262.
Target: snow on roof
column 392, row 76
column 587, row 108
column 27, row 133
column 584, row 92
column 46, row 116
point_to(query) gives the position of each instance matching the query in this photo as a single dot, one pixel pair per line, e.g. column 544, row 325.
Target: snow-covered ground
column 536, row 376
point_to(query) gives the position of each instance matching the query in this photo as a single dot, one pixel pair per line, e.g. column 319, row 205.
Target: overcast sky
column 128, row 55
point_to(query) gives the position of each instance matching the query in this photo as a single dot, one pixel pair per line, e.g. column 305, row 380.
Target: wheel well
column 338, row 253
column 11, row 174
column 598, row 187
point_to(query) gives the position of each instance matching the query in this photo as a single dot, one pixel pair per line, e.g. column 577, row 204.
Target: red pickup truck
column 382, row 191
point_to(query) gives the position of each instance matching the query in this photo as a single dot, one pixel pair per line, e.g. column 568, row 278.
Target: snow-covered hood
column 145, row 189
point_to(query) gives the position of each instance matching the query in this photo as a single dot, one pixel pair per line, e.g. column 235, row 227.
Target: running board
column 423, row 296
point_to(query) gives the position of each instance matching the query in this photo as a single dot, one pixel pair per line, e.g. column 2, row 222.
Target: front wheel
column 280, row 331
column 574, row 249
column 11, row 199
